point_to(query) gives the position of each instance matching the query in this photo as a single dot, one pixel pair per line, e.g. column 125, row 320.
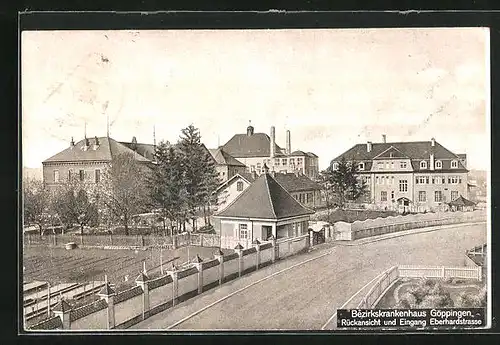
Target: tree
column 199, row 173
column 342, row 184
column 124, row 189
column 74, row 206
column 36, row 203
column 166, row 183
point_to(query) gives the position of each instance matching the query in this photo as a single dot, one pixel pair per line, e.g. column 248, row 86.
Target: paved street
column 306, row 296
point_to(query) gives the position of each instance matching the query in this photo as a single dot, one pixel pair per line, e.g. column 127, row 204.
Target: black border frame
column 276, row 20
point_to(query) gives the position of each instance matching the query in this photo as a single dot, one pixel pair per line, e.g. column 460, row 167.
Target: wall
column 379, row 226
column 63, row 168
column 189, row 283
column 266, row 255
column 128, row 309
column 230, row 267
column 98, row 320
column 211, row 275
column 249, row 261
column 160, row 295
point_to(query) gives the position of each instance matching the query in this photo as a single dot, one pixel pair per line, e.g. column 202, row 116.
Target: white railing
column 379, row 288
column 440, row 272
column 404, row 271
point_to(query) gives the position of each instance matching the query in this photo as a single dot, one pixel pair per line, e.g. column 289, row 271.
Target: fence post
column 239, row 250
column 443, row 272
column 198, row 263
column 142, row 240
column 110, row 239
column 63, row 310
column 107, row 293
column 81, row 239
column 174, row 241
column 219, row 255
column 142, row 281
column 479, row 273
column 201, row 240
column 256, row 244
column 175, row 283
column 276, row 252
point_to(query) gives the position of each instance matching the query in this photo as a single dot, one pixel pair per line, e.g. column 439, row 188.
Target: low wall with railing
column 151, row 296
column 379, row 226
column 389, row 277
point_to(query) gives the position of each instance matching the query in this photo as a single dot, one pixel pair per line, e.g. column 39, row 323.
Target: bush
column 426, row 294
column 472, row 300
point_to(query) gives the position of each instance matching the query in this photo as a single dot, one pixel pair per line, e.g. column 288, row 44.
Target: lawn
column 58, row 265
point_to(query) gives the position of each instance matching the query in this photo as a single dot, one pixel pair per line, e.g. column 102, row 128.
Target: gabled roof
column 244, row 175
column 461, row 201
column 293, row 183
column 415, row 150
column 255, row 145
column 223, row 158
column 298, row 153
column 265, row 199
column 105, row 151
column 145, row 150
column 62, row 306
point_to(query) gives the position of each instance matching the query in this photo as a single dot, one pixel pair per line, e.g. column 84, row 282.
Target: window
column 361, row 166
column 423, row 165
column 302, row 198
column 402, row 165
column 299, row 161
column 452, row 179
column 392, row 180
column 56, row 176
column 454, row 195
column 97, row 175
column 421, row 196
column 454, row 164
column 382, row 180
column 243, row 231
column 277, row 161
column 438, row 196
column 284, row 161
column 377, row 180
column 392, row 195
column 258, row 166
column 309, row 197
column 239, row 186
column 427, row 179
column 335, row 166
column 421, row 180
column 380, row 165
column 439, row 165
column 403, row 185
column 82, row 175
column 69, row 174
column 292, row 161
column 383, row 196
column 392, row 165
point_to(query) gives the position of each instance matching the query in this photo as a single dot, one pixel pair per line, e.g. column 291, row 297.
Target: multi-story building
column 412, row 176
column 226, row 165
column 256, row 149
column 87, row 160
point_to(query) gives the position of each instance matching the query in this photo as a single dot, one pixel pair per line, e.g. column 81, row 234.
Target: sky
column 332, row 88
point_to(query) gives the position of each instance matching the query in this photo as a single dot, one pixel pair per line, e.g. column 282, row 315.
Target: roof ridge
column 235, row 199
column 307, row 208
column 269, row 194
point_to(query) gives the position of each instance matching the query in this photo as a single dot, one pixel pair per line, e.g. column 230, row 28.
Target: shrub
column 426, row 294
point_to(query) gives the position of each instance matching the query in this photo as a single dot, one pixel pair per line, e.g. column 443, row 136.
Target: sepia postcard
column 255, row 180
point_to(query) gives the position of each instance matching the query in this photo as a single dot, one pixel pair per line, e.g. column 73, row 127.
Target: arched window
column 239, row 186
column 361, row 166
column 454, row 164
column 423, row 165
column 335, row 166
column 439, row 165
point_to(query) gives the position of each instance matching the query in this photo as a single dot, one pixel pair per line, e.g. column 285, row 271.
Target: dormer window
column 361, row 166
column 335, row 166
column 454, row 164
column 423, row 165
column 439, row 165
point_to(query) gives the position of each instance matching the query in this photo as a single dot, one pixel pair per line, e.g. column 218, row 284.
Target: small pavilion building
column 262, row 210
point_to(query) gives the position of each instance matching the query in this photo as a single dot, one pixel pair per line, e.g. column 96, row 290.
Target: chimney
column 368, row 146
column 384, row 138
column 134, row 143
column 433, row 142
column 272, row 149
column 250, row 130
column 288, row 143
column 431, row 161
column 86, row 144
column 72, row 143
column 96, row 143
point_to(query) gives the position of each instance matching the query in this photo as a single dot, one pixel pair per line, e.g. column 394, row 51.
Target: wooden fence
column 440, row 272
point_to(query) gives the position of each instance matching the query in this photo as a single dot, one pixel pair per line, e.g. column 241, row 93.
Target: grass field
column 58, row 265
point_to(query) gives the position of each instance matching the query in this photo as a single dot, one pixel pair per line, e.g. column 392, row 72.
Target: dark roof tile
column 221, row 157
column 255, row 145
column 266, row 199
column 294, row 183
